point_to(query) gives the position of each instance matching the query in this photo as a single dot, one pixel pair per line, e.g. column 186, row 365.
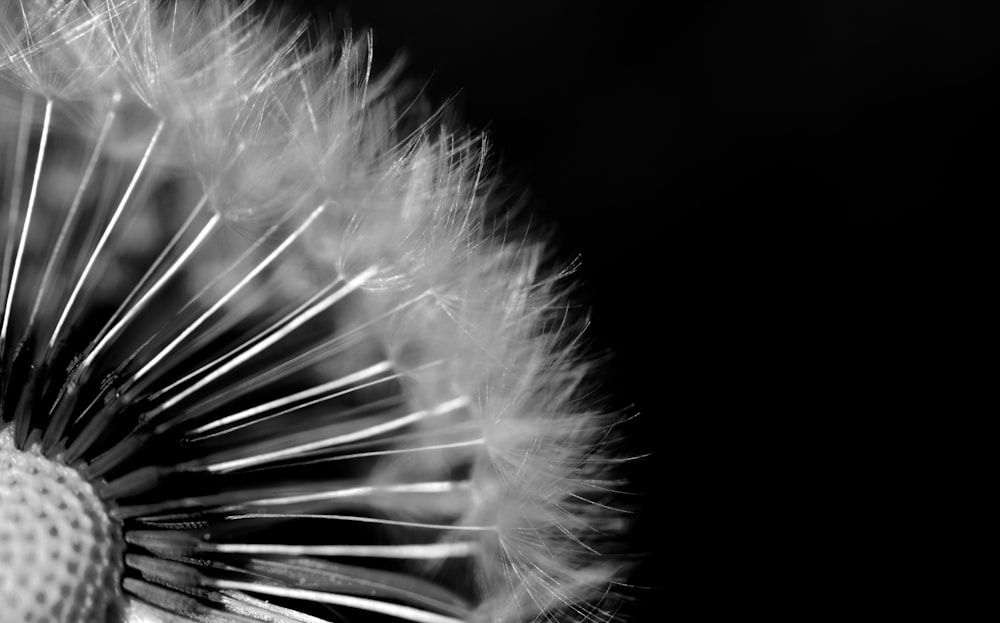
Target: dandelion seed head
column 273, row 340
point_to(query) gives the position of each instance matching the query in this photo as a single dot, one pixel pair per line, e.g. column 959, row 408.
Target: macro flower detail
column 267, row 351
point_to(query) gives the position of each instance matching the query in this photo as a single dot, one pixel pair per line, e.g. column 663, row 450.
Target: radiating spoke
column 105, row 236
column 26, row 226
column 224, row 299
column 309, row 314
column 363, row 519
column 56, row 254
column 135, row 308
column 312, row 392
column 395, row 610
column 364, row 433
column 429, row 551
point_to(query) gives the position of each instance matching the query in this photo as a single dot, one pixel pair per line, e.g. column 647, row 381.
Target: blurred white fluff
column 267, row 128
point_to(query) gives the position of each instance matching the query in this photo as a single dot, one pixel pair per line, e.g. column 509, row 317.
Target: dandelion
column 266, row 353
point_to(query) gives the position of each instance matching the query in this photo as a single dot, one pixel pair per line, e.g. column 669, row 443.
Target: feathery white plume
column 263, row 357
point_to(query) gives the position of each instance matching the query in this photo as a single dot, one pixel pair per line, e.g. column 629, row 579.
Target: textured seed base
column 60, row 554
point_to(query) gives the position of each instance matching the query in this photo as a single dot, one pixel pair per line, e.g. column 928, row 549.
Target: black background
column 767, row 199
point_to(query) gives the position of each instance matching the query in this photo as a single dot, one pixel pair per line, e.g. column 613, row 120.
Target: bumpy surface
column 60, row 555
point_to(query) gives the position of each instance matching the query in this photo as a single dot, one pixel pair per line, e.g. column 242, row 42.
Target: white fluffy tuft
column 272, row 132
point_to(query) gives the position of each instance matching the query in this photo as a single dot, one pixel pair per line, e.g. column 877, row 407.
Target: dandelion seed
column 262, row 358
